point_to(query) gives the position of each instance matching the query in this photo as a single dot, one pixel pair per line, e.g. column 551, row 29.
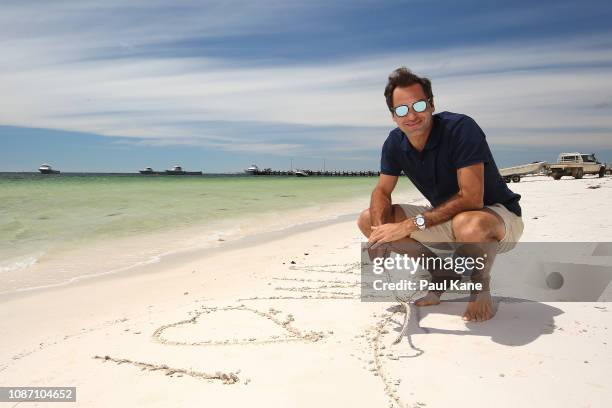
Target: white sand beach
column 279, row 323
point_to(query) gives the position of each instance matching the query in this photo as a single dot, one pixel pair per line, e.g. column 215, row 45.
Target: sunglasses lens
column 419, row 106
column 401, row 110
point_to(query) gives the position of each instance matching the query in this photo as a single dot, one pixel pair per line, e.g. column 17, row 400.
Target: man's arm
column 469, row 197
column 380, row 202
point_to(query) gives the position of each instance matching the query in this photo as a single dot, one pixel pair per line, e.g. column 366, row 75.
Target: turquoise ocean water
column 51, row 225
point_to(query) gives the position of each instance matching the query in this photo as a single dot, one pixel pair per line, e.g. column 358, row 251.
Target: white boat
column 301, row 173
column 514, row 173
column 252, row 169
column 178, row 171
column 47, row 169
column 175, row 170
column 147, row 170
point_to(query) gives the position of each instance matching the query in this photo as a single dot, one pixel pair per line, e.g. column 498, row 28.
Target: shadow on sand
column 516, row 323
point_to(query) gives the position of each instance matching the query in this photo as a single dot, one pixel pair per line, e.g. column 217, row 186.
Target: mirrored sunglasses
column 418, row 106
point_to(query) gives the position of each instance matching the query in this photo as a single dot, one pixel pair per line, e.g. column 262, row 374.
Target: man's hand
column 390, row 232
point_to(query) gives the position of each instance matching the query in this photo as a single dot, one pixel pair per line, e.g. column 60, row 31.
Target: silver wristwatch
column 419, row 221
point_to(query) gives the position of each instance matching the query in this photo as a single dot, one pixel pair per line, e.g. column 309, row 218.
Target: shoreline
column 179, row 256
column 43, row 250
column 184, row 256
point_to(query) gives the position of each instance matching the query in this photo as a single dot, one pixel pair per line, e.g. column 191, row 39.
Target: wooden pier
column 322, row 173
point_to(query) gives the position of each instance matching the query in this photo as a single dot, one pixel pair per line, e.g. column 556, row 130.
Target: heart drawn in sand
column 232, row 325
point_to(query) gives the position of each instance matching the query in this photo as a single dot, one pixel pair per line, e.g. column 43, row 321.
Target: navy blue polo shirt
column 455, row 141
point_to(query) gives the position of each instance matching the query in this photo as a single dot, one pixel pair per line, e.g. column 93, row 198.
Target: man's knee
column 364, row 223
column 471, row 227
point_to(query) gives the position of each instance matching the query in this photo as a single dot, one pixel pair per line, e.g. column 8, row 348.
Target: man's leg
column 482, row 226
column 486, row 228
column 413, row 247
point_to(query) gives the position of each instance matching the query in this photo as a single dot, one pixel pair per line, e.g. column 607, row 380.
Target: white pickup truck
column 576, row 165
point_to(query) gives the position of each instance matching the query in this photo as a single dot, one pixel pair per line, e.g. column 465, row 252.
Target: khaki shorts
column 444, row 232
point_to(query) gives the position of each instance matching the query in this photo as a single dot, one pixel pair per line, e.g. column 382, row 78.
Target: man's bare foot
column 480, row 309
column 430, row 299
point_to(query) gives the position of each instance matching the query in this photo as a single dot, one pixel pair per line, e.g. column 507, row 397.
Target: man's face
column 414, row 123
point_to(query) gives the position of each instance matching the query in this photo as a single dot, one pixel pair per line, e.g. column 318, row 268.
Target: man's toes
column 428, row 300
column 477, row 313
column 485, row 314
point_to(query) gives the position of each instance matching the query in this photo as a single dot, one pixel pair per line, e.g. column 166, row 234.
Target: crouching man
column 447, row 158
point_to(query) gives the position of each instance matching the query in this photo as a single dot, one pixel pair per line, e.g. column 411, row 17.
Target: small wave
column 152, row 260
column 20, row 263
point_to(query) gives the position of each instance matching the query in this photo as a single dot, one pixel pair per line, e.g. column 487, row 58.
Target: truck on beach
column 576, row 165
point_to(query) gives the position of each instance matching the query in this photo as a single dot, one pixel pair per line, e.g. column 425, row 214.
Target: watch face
column 420, row 221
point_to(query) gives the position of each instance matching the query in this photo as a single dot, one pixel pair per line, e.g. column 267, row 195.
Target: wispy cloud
column 118, row 70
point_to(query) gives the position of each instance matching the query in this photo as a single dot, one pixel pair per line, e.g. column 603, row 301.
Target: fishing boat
column 252, row 169
column 47, row 169
column 148, row 170
column 178, row 171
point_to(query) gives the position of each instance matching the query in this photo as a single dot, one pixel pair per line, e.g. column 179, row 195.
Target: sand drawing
column 405, row 309
column 310, row 287
column 375, row 334
column 226, row 378
column 303, row 297
column 319, row 291
column 293, row 334
column 351, row 268
column 375, row 339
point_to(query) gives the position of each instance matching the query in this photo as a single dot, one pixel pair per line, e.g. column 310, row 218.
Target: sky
column 218, row 85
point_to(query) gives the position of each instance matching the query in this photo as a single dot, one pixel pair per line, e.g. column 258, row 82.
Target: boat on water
column 47, row 169
column 178, row 171
column 149, row 170
column 301, row 173
column 252, row 169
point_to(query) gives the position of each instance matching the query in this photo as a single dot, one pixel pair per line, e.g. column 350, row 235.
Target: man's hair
column 403, row 77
